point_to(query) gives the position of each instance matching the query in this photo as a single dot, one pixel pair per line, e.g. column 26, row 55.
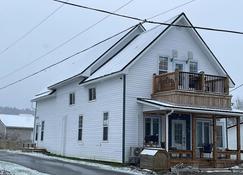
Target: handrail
column 179, row 80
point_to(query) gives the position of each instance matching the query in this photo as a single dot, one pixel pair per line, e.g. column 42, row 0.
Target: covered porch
column 190, row 135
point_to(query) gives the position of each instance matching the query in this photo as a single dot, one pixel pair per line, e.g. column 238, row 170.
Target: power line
column 63, row 60
column 236, row 88
column 176, row 7
column 31, row 30
column 151, row 22
column 62, row 44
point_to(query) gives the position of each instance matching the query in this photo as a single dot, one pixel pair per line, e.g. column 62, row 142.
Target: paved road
column 54, row 167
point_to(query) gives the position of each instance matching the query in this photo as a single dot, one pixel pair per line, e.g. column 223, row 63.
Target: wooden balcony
column 192, row 89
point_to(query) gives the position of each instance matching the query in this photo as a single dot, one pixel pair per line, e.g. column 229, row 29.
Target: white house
column 160, row 88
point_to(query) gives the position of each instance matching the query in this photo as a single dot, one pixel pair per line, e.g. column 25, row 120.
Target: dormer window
column 92, row 94
column 163, row 65
column 72, row 98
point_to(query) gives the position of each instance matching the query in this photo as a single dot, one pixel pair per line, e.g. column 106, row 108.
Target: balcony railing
column 187, row 81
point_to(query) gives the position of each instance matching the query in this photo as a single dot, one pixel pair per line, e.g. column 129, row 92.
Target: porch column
column 193, row 137
column 238, row 137
column 214, row 140
column 167, row 133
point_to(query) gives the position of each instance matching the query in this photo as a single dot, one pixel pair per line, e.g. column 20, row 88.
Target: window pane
column 178, row 133
column 105, row 133
column 219, row 136
column 147, row 126
column 179, row 67
column 80, row 134
column 163, row 65
column 193, row 67
column 199, row 134
column 155, row 126
column 206, row 133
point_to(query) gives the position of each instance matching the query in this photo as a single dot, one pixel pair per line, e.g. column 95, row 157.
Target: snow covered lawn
column 7, row 168
column 128, row 170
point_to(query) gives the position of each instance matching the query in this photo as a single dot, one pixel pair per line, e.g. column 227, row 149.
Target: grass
column 114, row 164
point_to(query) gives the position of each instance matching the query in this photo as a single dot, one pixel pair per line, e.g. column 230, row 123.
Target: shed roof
column 18, row 121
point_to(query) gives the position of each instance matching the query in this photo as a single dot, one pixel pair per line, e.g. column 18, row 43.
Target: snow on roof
column 150, row 152
column 18, row 121
column 118, row 62
column 77, row 64
column 170, row 106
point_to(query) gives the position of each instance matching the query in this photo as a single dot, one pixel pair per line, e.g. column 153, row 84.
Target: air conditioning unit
column 134, row 157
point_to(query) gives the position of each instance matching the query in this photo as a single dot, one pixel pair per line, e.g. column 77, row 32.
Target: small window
column 42, row 130
column 219, row 131
column 80, row 127
column 92, row 94
column 105, row 125
column 163, row 65
column 71, row 98
column 36, row 132
column 193, row 67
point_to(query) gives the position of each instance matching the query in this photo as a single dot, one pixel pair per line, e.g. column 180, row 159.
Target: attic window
column 92, row 94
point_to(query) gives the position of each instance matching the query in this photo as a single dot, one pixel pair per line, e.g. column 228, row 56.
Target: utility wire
column 167, row 11
column 31, row 30
column 65, row 59
column 151, row 22
column 236, row 88
column 62, row 44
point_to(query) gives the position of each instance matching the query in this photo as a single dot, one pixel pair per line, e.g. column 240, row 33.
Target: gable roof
column 17, row 121
column 136, row 48
column 78, row 65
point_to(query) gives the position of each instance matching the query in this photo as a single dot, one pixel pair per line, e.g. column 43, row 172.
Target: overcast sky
column 18, row 17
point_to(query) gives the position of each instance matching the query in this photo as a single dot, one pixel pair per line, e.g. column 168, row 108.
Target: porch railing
column 191, row 82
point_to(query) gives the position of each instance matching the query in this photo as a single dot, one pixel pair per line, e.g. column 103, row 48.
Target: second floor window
column 36, row 132
column 80, row 128
column 71, row 98
column 163, row 65
column 92, row 94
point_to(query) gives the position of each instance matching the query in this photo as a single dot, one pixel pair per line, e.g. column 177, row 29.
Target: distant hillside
column 15, row 111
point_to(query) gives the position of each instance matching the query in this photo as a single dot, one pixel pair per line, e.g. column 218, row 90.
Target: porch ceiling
column 163, row 106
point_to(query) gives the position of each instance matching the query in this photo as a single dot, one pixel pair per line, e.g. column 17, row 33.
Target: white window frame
column 42, row 130
column 163, row 70
column 71, row 98
column 210, row 131
column 105, row 125
column 151, row 129
column 80, row 127
column 93, row 94
column 190, row 66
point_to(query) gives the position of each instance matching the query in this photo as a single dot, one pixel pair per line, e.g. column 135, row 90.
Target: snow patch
column 15, row 169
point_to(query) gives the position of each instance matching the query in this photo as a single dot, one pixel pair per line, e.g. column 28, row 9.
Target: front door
column 179, row 134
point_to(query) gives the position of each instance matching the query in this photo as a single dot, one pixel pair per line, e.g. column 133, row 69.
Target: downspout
column 167, row 129
column 34, row 129
column 124, row 119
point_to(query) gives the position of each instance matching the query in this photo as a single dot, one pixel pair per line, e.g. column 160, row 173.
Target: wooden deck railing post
column 177, row 78
column 154, row 84
column 238, row 138
column 226, row 86
column 202, row 83
column 214, row 141
column 193, row 137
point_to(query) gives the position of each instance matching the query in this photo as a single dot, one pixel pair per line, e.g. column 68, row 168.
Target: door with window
column 203, row 131
column 179, row 134
column 183, row 79
column 152, row 130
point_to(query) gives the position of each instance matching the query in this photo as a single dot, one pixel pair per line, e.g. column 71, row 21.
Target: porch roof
column 164, row 106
